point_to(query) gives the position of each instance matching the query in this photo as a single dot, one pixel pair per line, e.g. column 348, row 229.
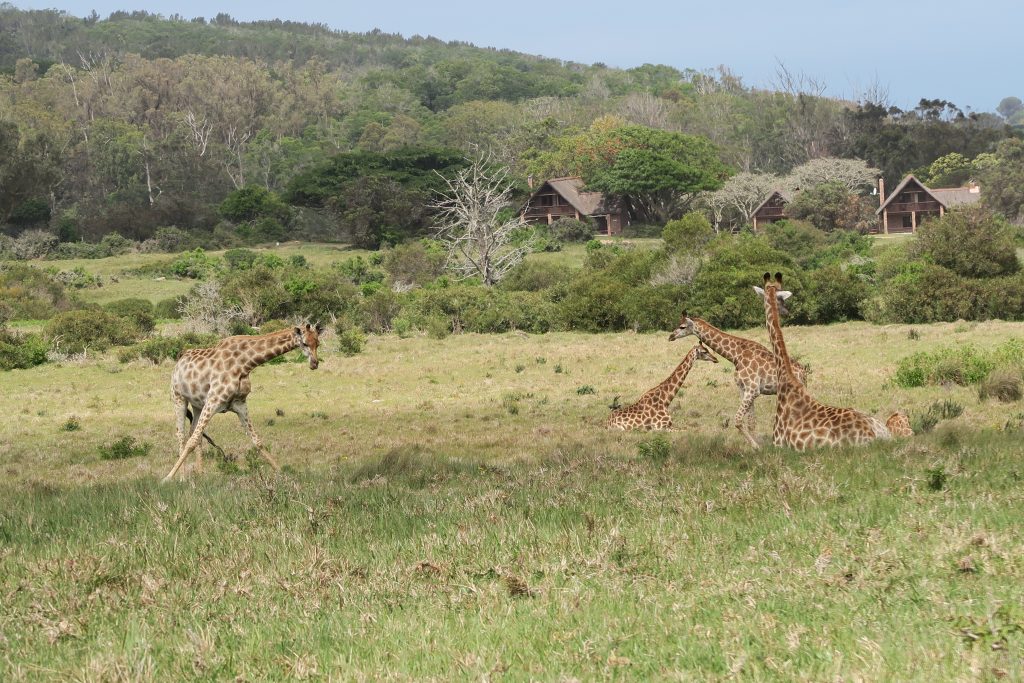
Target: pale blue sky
column 966, row 52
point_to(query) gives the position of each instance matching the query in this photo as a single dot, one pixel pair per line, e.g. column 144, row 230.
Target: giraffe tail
column 188, row 414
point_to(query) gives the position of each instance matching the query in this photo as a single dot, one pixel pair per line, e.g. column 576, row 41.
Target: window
column 546, row 200
column 908, row 220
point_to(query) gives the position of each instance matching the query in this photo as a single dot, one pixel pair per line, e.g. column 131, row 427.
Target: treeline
column 135, row 122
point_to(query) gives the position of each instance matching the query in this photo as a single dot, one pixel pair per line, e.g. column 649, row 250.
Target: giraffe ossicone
column 216, row 380
column 651, row 410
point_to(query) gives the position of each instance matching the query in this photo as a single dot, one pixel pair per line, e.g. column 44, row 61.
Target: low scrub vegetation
column 963, row 364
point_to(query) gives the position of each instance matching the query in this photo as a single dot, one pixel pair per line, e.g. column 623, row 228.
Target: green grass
column 422, row 530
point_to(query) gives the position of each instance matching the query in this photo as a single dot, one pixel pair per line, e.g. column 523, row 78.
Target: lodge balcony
column 919, row 207
column 768, row 212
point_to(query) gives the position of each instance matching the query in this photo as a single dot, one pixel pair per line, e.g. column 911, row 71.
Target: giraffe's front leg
column 242, row 410
column 744, row 418
column 209, row 410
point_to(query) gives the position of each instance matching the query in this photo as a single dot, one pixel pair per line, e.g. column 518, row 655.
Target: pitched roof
column 957, row 196
column 786, row 196
column 571, row 187
column 949, row 196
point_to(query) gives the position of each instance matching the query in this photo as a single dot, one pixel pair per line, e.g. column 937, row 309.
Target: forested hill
column 227, row 130
column 441, row 73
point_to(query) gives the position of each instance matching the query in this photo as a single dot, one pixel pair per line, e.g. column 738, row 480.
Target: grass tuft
column 123, row 448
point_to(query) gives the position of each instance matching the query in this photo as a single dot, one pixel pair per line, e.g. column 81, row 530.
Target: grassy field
column 453, row 509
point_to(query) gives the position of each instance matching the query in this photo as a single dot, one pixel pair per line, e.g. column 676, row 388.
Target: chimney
column 529, row 181
column 881, row 191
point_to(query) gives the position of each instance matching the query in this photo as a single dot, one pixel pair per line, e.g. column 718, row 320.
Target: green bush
column 139, row 312
column 93, row 329
column 253, row 202
column 195, row 264
column 240, row 259
column 689, row 234
column 924, row 293
column 125, row 447
column 158, row 349
column 534, row 276
column 19, row 351
column 834, row 295
column 28, row 293
column 961, row 365
column 971, row 241
column 169, row 309
column 572, row 230
column 351, row 342
column 414, row 263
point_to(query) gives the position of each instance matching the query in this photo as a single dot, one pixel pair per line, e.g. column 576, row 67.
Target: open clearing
column 453, row 508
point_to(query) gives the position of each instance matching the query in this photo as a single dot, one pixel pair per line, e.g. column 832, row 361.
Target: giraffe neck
column 783, row 365
column 663, row 394
column 716, row 340
column 259, row 350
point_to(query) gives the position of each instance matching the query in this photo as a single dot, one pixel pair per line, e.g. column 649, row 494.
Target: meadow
column 454, row 509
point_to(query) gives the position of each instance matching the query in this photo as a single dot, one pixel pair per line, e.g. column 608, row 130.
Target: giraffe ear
column 298, row 331
column 759, row 291
column 767, row 277
column 778, row 278
column 319, row 327
column 784, row 294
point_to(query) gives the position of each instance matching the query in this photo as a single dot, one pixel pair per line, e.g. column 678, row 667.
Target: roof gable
column 781, row 194
column 902, row 186
column 571, row 189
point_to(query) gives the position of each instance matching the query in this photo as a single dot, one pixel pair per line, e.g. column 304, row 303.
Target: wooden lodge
column 565, row 198
column 771, row 210
column 911, row 202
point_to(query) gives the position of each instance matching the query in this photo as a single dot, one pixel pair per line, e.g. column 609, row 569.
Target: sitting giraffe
column 801, row 422
column 651, row 410
column 216, row 380
column 755, row 367
column 898, row 424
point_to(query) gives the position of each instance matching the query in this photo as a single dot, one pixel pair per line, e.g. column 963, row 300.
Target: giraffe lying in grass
column 216, row 380
column 801, row 421
column 651, row 410
column 755, row 367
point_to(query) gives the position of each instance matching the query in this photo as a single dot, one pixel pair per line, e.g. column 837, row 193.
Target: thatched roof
column 785, row 195
column 571, row 188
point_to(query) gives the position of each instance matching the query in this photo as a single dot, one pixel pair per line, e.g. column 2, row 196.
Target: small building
column 771, row 210
column 911, row 202
column 566, row 198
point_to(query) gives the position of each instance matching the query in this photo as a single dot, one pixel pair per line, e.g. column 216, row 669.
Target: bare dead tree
column 645, row 109
column 478, row 241
column 200, row 131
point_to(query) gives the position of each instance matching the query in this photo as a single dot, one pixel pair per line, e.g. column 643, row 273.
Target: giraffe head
column 308, row 338
column 775, row 288
column 684, row 329
column 702, row 353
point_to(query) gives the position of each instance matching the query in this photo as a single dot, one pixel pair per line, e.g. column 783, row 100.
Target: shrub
column 252, row 202
column 351, row 342
column 572, row 230
column 1003, row 384
column 689, row 234
column 139, row 312
column 195, row 264
column 76, row 331
column 834, row 295
column 961, row 365
column 940, row 410
column 414, row 263
column 800, row 239
column 924, row 293
column 28, row 293
column 77, row 278
column 534, row 276
column 169, row 240
column 125, row 447
column 240, row 259
column 34, row 244
column 30, row 212
column 656, row 449
column 169, row 309
column 158, row 349
column 971, row 241
column 20, row 351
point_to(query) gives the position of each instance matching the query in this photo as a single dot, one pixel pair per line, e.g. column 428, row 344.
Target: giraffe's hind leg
column 209, row 410
column 242, row 410
column 180, row 413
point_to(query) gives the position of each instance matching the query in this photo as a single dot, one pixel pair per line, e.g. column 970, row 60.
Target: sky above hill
column 964, row 52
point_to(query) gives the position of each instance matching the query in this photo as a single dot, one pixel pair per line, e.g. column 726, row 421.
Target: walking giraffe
column 216, row 380
column 802, row 422
column 651, row 410
column 755, row 367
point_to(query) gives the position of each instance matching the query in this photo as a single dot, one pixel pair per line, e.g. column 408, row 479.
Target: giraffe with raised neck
column 651, row 410
column 216, row 380
column 801, row 421
column 754, row 364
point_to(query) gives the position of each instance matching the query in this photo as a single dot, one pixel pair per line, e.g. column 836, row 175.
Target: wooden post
column 913, row 221
column 885, row 221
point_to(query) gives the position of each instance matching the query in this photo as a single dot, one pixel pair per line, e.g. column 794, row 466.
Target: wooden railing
column 913, row 206
column 772, row 212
